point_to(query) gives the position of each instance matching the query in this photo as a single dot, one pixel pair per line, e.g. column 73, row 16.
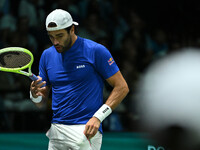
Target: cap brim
column 75, row 23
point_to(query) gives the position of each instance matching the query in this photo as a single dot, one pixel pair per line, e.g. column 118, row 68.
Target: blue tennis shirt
column 77, row 78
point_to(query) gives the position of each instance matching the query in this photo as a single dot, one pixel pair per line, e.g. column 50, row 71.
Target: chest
column 67, row 71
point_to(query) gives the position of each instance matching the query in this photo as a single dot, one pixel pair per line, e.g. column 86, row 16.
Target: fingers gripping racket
column 16, row 60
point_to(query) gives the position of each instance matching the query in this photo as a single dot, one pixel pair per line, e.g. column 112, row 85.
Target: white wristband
column 35, row 100
column 103, row 112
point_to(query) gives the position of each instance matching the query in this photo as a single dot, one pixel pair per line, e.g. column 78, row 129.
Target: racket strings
column 14, row 59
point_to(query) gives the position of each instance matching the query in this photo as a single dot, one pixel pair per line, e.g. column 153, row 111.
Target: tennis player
column 75, row 68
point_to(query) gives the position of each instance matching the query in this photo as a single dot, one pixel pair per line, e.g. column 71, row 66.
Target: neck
column 74, row 38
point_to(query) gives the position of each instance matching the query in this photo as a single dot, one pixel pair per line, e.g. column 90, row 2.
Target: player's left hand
column 92, row 127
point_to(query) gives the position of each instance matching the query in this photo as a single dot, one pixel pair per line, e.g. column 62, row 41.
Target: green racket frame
column 20, row 70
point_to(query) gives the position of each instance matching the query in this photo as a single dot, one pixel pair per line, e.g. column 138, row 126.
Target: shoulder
column 48, row 51
column 46, row 54
column 93, row 50
column 93, row 46
column 89, row 43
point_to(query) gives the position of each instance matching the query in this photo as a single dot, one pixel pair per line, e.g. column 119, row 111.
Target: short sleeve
column 42, row 69
column 104, row 62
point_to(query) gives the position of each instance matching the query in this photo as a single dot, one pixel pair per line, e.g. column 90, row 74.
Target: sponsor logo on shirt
column 80, row 66
column 111, row 61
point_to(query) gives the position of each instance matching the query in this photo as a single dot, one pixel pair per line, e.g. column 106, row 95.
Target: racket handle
column 34, row 78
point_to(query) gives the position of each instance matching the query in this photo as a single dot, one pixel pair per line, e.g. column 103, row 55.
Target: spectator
column 91, row 28
column 32, row 9
column 7, row 27
column 4, row 7
column 157, row 43
column 22, row 37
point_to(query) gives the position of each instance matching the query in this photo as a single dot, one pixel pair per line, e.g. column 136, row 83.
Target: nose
column 55, row 42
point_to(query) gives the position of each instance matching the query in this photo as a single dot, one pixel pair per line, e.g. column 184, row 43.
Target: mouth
column 58, row 48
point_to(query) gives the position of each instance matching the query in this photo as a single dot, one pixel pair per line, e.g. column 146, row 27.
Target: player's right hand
column 36, row 87
column 92, row 127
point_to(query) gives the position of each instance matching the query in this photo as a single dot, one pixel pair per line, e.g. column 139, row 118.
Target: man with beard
column 75, row 68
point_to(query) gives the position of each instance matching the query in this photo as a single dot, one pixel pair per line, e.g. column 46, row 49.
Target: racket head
column 16, row 59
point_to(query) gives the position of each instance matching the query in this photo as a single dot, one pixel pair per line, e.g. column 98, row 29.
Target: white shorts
column 71, row 137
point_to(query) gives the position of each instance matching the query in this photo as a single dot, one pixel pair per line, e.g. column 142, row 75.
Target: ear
column 72, row 29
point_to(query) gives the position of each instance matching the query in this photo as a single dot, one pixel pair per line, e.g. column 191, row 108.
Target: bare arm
column 120, row 90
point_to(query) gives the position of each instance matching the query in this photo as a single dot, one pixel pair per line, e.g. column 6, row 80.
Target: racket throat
column 25, row 73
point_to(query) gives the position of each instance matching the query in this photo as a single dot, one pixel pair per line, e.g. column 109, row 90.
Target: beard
column 63, row 48
column 67, row 44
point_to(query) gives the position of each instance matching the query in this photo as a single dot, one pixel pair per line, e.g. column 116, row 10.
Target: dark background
column 135, row 32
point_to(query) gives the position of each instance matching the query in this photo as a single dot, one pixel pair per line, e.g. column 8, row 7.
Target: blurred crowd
column 136, row 33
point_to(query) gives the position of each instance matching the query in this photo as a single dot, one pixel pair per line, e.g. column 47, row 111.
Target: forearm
column 116, row 96
column 119, row 92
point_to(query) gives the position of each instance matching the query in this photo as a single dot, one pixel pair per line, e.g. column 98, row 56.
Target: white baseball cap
column 61, row 18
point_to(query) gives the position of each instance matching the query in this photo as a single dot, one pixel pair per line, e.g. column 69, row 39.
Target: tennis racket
column 17, row 60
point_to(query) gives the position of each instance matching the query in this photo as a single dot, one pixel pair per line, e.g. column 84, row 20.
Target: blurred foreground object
column 169, row 100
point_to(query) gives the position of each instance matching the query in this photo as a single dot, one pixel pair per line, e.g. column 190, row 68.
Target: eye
column 50, row 36
column 60, row 36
